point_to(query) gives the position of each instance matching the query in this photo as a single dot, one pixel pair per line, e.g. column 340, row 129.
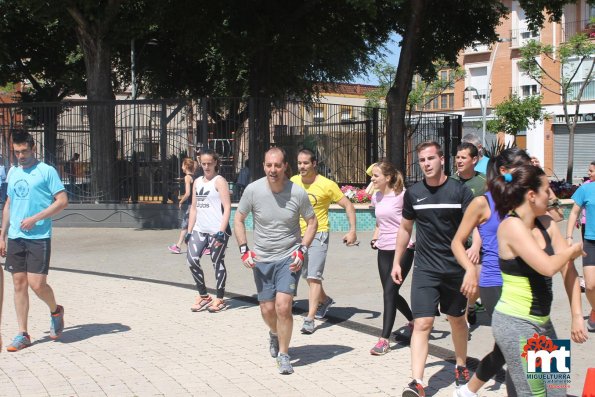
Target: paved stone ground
column 130, row 331
column 133, row 338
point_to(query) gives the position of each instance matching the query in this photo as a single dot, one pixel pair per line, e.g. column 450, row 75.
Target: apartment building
column 492, row 75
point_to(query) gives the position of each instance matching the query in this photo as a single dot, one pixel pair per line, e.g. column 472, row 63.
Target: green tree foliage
column 423, row 91
column 538, row 11
column 516, row 114
column 53, row 71
column 575, row 60
column 264, row 48
column 432, row 30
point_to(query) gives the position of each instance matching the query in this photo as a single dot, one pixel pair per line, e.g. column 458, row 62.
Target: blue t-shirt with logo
column 584, row 197
column 31, row 191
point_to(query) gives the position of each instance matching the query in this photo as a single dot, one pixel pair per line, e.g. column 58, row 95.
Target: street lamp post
column 482, row 104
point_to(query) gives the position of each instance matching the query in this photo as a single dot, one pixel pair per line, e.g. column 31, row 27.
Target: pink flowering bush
column 356, row 195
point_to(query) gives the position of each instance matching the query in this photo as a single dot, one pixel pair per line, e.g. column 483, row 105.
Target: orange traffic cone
column 589, row 389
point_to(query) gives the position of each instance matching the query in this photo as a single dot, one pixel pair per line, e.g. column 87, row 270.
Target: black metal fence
column 152, row 137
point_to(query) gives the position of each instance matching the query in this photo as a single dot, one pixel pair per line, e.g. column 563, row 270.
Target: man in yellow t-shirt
column 322, row 192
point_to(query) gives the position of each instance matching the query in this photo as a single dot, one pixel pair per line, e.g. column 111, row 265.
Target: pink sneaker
column 381, row 348
column 174, row 249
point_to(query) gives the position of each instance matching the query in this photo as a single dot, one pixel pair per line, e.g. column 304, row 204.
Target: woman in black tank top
column 530, row 247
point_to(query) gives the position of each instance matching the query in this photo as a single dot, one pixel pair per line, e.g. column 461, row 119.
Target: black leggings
column 392, row 300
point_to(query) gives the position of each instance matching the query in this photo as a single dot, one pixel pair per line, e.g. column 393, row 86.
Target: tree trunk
column 396, row 99
column 259, row 92
column 570, row 166
column 100, row 109
column 101, row 122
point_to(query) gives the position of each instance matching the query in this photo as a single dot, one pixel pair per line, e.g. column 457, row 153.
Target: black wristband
column 244, row 248
column 303, row 249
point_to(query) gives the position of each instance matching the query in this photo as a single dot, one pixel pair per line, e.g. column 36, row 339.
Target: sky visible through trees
column 390, row 54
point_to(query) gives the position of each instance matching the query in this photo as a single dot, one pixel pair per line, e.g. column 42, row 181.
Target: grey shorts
column 273, row 277
column 316, row 258
column 589, row 248
column 28, row 255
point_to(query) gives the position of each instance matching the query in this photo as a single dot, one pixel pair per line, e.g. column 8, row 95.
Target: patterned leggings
column 196, row 247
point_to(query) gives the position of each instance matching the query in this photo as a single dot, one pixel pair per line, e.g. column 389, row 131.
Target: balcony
column 477, row 48
column 574, row 27
column 521, row 37
column 477, row 99
column 588, row 93
column 527, row 90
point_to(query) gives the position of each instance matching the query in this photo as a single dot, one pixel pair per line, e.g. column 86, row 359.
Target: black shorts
column 428, row 289
column 28, row 255
column 589, row 248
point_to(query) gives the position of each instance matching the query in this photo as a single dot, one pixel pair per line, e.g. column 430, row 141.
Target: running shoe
column 174, row 249
column 471, row 315
column 308, row 327
column 323, row 308
column 284, row 364
column 459, row 392
column 273, row 344
column 381, row 348
column 57, row 323
column 591, row 324
column 414, row 389
column 404, row 333
column 19, row 342
column 461, row 375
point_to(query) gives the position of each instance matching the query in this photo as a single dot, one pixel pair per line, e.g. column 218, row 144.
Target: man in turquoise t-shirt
column 35, row 194
column 482, row 161
column 584, row 198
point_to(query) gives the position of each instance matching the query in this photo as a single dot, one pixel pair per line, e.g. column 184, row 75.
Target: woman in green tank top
column 531, row 250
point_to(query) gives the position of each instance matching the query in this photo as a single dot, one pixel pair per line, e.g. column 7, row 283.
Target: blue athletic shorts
column 273, row 277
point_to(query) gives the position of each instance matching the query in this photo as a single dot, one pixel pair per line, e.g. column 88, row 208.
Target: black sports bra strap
column 546, row 236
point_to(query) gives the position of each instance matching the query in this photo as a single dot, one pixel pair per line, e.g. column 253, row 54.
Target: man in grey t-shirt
column 276, row 205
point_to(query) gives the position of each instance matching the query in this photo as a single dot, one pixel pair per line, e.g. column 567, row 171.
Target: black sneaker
column 414, row 389
column 471, row 315
column 461, row 375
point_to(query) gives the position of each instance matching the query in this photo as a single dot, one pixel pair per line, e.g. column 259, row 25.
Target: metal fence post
column 375, row 131
column 447, row 145
column 163, row 153
column 252, row 137
column 204, row 122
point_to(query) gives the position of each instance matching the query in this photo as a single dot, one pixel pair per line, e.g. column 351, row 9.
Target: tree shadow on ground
column 77, row 333
column 337, row 314
column 239, row 303
column 310, row 354
column 442, row 382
